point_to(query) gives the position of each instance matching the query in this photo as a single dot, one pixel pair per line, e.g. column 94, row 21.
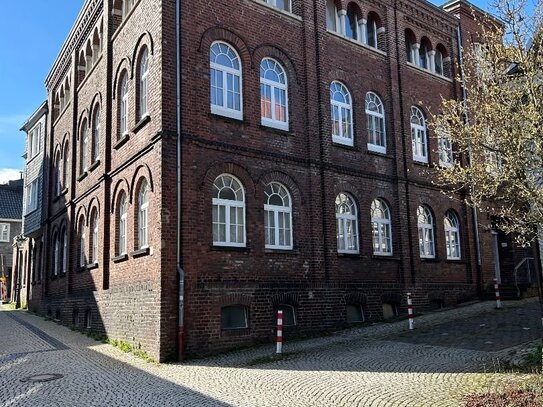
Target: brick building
column 300, row 180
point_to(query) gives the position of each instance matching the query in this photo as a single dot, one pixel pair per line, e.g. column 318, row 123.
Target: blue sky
column 31, row 34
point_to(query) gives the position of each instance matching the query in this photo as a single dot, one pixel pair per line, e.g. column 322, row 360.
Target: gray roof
column 11, row 200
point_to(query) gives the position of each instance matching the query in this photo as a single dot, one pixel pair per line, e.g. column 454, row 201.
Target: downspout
column 180, row 272
column 466, row 121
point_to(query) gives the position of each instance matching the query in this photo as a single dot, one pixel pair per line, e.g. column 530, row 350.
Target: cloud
column 9, row 174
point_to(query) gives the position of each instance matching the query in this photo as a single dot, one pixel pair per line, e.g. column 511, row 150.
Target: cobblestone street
column 448, row 355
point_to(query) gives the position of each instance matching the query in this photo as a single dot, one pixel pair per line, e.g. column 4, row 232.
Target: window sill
column 288, row 252
column 83, row 176
column 429, row 260
column 352, row 255
column 243, row 249
column 120, row 258
column 276, row 130
column 278, row 10
column 379, row 153
column 421, row 163
column 281, row 126
column 225, row 117
column 141, row 124
column 92, row 266
column 356, row 42
column 427, row 71
column 340, row 143
column 455, row 261
column 385, row 257
column 234, row 115
column 94, row 165
column 141, row 252
column 122, row 141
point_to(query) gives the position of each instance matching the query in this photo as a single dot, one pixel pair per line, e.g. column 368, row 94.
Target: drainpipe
column 466, row 119
column 180, row 271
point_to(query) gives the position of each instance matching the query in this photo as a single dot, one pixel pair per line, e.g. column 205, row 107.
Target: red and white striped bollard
column 498, row 298
column 410, row 311
column 279, row 338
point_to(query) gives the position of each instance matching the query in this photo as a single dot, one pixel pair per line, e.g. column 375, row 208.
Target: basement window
column 355, row 313
column 289, row 315
column 234, row 317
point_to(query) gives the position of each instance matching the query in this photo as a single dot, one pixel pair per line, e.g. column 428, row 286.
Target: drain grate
column 42, row 378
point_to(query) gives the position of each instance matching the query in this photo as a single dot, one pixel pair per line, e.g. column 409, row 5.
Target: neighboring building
column 304, row 176
column 11, row 202
column 30, row 245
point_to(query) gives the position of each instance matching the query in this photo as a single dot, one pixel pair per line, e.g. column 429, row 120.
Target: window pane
column 265, row 101
column 354, row 313
column 234, row 317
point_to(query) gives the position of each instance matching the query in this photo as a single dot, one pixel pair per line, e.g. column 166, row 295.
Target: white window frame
column 32, row 196
column 143, row 216
column 419, row 136
column 275, row 210
column 5, row 229
column 84, row 147
column 427, row 248
column 123, row 105
column 343, row 221
column 96, row 134
column 228, row 204
column 273, row 3
column 123, row 225
column 371, row 26
column 378, row 223
column 34, row 141
column 451, row 224
column 223, row 109
column 279, row 86
column 341, row 138
column 144, row 84
column 95, row 230
column 375, row 117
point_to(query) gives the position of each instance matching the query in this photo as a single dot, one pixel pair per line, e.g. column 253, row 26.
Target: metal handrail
column 517, row 267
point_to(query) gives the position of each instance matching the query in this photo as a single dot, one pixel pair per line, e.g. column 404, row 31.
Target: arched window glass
column 418, row 135
column 82, row 242
column 351, row 23
column 225, row 87
column 65, row 162
column 452, row 235
column 94, row 238
column 64, row 249
column 228, row 211
column 381, row 228
column 143, row 215
column 425, row 223
column 424, row 57
column 347, row 224
column 96, row 134
column 445, row 149
column 371, row 31
column 375, row 118
column 280, row 4
column 122, row 223
column 332, row 18
column 143, row 84
column 409, row 46
column 123, row 104
column 56, row 255
column 342, row 114
column 438, row 62
column 273, row 94
column 278, row 217
column 58, row 175
column 84, row 146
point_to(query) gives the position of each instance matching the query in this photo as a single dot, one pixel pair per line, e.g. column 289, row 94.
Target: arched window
column 371, row 31
column 418, row 135
column 228, row 211
column 425, row 223
column 84, row 134
column 56, row 255
column 122, row 214
column 445, row 149
column 351, row 22
column 438, row 62
column 347, row 224
column 58, row 175
column 225, row 87
column 65, row 161
column 410, row 43
column 273, row 94
column 96, row 134
column 381, row 228
column 143, row 215
column 123, row 104
column 143, row 84
column 82, row 242
column 342, row 114
column 332, row 18
column 424, row 49
column 452, row 235
column 93, row 255
column 375, row 117
column 64, row 249
column 278, row 217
